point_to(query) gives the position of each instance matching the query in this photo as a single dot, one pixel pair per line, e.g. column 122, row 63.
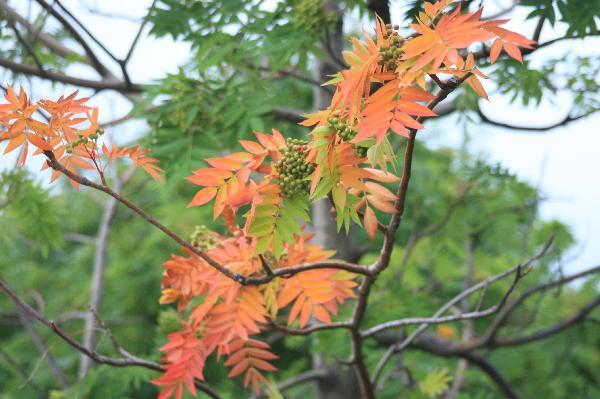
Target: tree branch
column 519, row 271
column 566, row 120
column 98, row 358
column 308, row 330
column 244, row 280
column 507, row 310
column 47, row 40
column 105, row 84
column 550, row 331
column 95, row 62
column 383, row 260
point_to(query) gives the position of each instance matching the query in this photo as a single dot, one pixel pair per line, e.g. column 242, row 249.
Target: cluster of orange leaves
column 70, row 131
column 218, row 315
column 230, row 314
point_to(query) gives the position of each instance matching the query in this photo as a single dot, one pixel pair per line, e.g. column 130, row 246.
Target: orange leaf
column 15, row 143
column 252, row 147
column 370, row 222
column 495, row 50
column 203, row 196
column 380, row 204
column 513, row 51
column 224, row 163
column 39, row 142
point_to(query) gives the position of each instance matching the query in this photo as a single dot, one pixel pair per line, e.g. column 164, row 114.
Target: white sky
column 564, row 162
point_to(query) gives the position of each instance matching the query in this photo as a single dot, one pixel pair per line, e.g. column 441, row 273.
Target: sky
column 564, row 162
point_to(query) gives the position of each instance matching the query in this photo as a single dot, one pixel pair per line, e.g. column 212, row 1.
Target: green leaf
column 435, row 383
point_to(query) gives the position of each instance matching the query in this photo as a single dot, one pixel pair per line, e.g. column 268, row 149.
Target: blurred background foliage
column 242, row 75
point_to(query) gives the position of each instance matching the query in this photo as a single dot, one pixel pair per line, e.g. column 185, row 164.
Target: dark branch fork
column 383, row 261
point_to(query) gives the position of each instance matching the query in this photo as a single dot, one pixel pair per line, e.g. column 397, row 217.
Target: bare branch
column 98, row 66
column 519, row 271
column 26, row 45
column 566, row 120
column 302, row 378
column 538, row 28
column 308, row 330
column 105, row 84
column 47, row 40
column 507, row 310
column 98, row 358
column 578, row 317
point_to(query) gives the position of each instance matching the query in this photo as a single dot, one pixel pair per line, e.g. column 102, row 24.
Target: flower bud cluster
column 84, row 139
column 293, row 169
column 347, row 132
column 203, row 238
column 390, row 56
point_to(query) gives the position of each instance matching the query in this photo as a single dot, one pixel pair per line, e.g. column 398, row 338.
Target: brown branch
column 383, row 261
column 549, row 331
column 538, row 28
column 437, row 80
column 244, row 280
column 94, row 60
column 47, row 40
column 566, row 120
column 39, row 343
column 265, row 266
column 105, row 84
column 98, row 358
column 84, row 28
column 25, row 44
column 137, row 37
column 273, row 326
